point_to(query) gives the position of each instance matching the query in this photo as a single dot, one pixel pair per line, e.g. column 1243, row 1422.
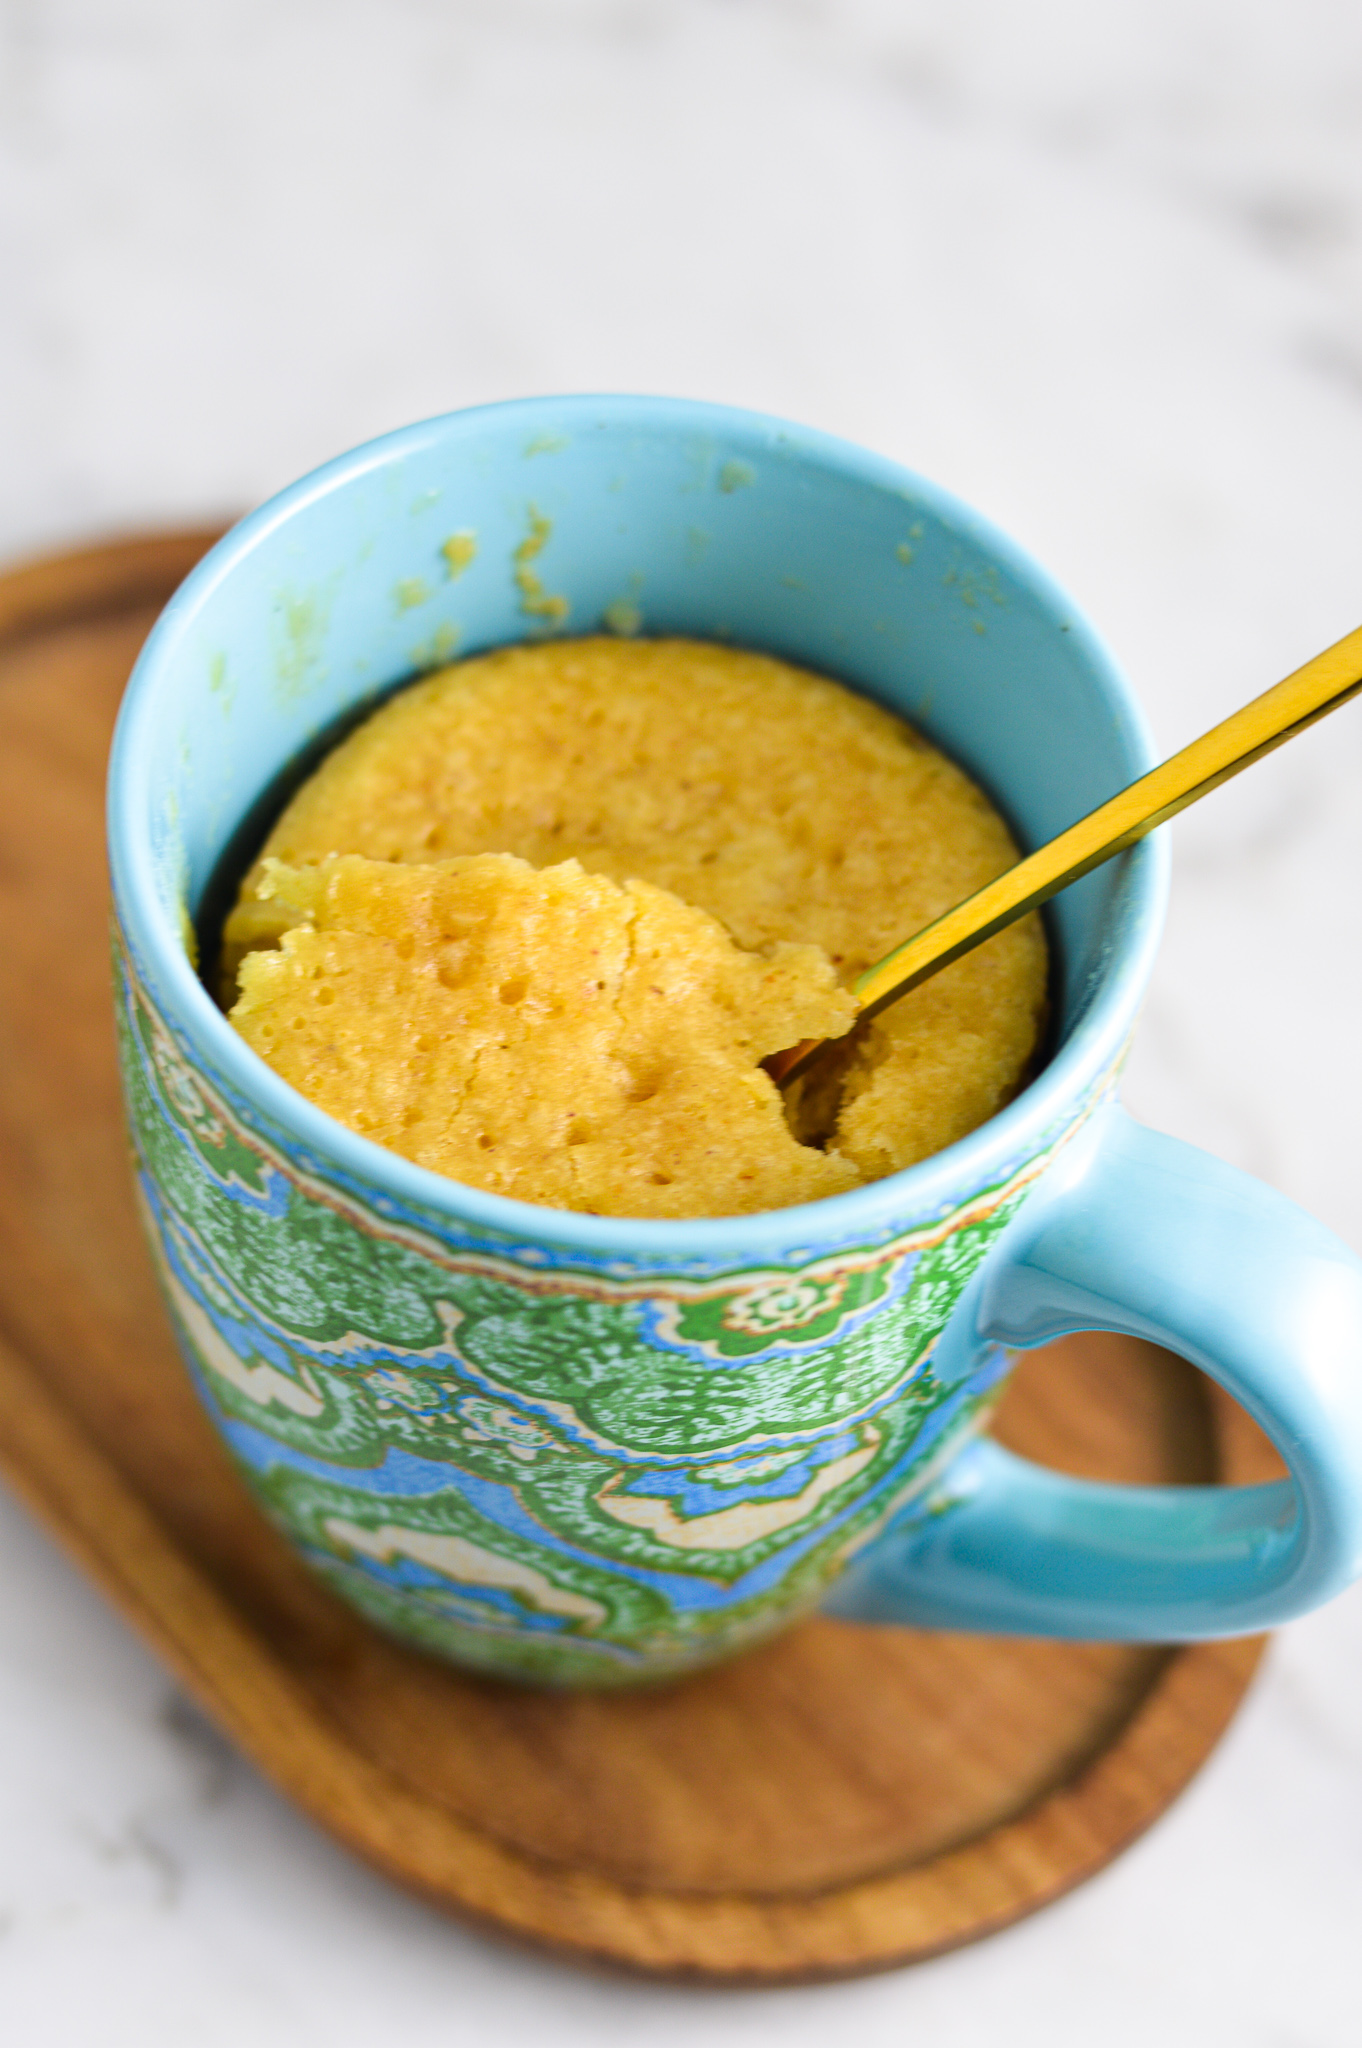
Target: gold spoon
column 1279, row 714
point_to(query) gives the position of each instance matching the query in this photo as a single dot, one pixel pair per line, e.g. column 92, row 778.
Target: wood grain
column 840, row 1800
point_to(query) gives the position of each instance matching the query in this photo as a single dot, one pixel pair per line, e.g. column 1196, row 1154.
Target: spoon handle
column 1278, row 715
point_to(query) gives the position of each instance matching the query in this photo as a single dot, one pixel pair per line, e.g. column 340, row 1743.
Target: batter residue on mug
column 697, row 850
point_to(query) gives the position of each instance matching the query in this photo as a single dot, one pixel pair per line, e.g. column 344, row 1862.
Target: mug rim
column 859, row 1215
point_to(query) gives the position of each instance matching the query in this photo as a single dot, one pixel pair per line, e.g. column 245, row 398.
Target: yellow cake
column 766, row 807
column 544, row 1033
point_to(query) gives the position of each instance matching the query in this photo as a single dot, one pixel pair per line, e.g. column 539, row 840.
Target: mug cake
column 536, row 923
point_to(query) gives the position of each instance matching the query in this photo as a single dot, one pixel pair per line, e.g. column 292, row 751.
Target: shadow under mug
column 585, row 1450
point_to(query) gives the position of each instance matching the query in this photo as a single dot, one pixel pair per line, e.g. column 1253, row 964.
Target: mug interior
column 659, row 516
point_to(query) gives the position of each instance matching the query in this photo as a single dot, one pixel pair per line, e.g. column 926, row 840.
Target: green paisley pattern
column 538, row 1467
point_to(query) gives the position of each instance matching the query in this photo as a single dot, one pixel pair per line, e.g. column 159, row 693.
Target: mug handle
column 1135, row 1232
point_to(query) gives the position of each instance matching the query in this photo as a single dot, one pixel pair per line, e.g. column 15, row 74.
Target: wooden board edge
column 877, row 1923
column 71, row 585
column 871, row 1924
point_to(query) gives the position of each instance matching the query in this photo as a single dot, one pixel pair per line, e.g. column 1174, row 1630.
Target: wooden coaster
column 843, row 1799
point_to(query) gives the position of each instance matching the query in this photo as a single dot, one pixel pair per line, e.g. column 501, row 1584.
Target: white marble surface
column 1097, row 267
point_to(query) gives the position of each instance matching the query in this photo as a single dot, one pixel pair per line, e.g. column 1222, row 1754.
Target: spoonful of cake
column 1306, row 695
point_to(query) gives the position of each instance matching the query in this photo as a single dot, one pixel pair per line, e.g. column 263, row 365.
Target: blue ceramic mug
column 586, row 1450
